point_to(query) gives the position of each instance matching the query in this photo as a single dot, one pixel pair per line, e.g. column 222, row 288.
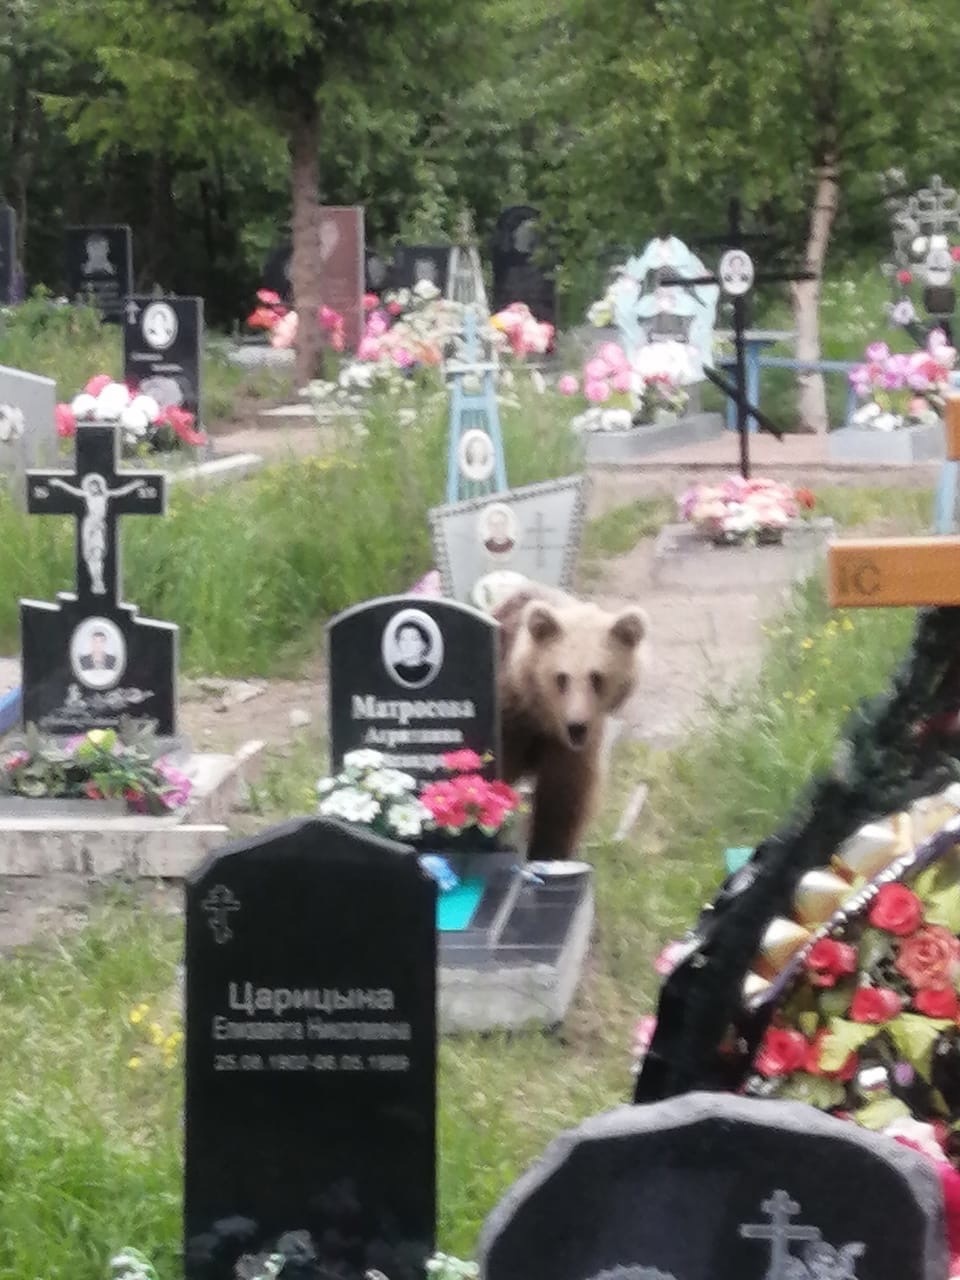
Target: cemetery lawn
column 90, row 1065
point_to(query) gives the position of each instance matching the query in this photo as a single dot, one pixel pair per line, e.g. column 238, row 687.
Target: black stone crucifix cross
column 736, row 277
column 97, row 494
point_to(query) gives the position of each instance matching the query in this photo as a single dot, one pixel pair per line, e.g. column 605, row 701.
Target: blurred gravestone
column 517, row 273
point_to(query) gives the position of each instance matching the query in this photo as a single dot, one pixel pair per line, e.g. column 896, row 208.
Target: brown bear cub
column 565, row 665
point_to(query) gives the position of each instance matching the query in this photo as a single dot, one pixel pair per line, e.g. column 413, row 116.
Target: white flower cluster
column 442, row 1266
column 371, row 794
column 12, row 423
column 878, row 419
column 598, row 419
column 115, row 403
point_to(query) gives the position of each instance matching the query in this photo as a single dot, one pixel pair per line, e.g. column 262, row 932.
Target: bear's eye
column 596, row 679
column 562, row 681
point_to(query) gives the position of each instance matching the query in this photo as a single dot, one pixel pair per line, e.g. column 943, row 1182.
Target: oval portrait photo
column 98, row 654
column 476, row 455
column 412, row 648
column 497, row 527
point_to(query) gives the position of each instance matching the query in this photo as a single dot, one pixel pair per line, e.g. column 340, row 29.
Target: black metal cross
column 735, row 238
column 97, row 494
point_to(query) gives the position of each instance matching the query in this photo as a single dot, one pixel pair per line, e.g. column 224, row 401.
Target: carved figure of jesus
column 93, row 529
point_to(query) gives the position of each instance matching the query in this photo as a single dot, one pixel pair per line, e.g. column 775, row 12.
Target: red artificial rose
column 828, row 960
column 66, row 421
column 812, row 1061
column 783, row 1051
column 930, row 959
column 937, row 1003
column 905, row 277
column 896, row 909
column 875, row 1004
column 806, row 498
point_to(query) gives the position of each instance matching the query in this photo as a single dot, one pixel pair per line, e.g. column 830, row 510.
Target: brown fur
column 565, row 665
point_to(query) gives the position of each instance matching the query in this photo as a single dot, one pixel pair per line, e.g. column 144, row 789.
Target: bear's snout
column 577, row 733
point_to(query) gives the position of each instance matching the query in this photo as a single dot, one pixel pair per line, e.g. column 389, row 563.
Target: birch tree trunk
column 811, row 390
column 305, row 265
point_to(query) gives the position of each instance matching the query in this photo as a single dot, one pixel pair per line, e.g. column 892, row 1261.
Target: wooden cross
column 96, row 493
column 736, row 238
column 779, row 1209
column 905, row 572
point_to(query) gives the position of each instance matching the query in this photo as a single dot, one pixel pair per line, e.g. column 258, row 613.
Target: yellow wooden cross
column 899, row 571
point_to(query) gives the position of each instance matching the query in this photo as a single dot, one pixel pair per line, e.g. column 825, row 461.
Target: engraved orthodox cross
column 779, row 1232
column 96, row 493
column 899, row 571
column 218, row 904
column 736, row 241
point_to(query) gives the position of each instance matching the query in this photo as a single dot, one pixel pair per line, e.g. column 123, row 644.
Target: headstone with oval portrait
column 162, row 346
column 413, row 678
column 421, row 262
column 533, row 531
column 88, row 660
column 99, row 267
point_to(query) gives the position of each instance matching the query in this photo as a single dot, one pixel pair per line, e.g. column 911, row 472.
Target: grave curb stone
column 626, row 1123
column 626, row 446
column 892, row 448
column 684, row 560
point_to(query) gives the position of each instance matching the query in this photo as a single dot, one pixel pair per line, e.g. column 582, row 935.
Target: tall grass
column 247, row 571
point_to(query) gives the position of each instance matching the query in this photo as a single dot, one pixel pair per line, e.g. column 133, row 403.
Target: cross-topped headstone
column 922, row 227
column 97, row 494
column 737, row 275
column 88, row 661
column 475, row 461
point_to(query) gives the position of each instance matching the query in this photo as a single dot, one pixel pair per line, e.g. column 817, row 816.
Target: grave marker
column 517, row 275
column 342, row 266
column 534, row 531
column 100, row 267
column 277, row 268
column 414, row 678
column 28, row 428
column 475, row 460
column 88, row 660
column 713, row 1187
column 311, row 1055
column 413, row 263
column 8, row 256
column 162, row 349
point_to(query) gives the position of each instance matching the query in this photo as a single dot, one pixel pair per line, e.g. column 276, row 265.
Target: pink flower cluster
column 280, row 321
column 525, row 334
column 605, row 374
column 468, row 800
column 382, row 340
column 884, row 371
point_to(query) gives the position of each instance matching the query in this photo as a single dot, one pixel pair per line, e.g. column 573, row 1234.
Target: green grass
column 89, row 1147
column 619, row 530
column 248, row 571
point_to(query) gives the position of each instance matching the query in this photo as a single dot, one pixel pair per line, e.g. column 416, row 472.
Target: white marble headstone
column 28, row 427
column 533, row 531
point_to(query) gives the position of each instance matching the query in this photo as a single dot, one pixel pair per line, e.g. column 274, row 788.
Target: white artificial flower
column 11, row 423
column 406, row 417
column 364, row 758
column 134, row 421
column 426, row 290
column 408, row 819
column 112, row 401
column 903, row 312
column 319, row 390
column 389, row 784
column 351, row 805
column 147, row 406
column 600, row 314
column 327, row 784
column 83, row 406
column 539, row 381
column 887, row 422
column 616, row 420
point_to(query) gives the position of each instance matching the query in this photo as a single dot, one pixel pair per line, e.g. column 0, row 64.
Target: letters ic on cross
column 906, row 572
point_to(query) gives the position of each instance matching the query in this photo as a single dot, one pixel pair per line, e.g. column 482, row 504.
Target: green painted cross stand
column 475, row 462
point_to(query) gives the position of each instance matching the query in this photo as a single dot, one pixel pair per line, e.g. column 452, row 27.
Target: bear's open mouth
column 577, row 736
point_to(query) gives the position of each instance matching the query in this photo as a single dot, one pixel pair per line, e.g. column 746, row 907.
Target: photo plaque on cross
column 88, row 660
column 737, row 275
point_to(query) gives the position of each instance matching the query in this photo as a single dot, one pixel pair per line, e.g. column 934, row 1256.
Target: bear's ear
column 629, row 627
column 542, row 623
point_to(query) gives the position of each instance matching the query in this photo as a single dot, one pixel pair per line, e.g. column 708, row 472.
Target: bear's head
column 583, row 664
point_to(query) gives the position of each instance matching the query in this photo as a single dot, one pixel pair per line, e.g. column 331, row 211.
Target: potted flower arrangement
column 121, row 767
column 739, row 511
column 145, row 426
column 272, row 316
column 524, row 334
column 900, row 391
column 466, row 809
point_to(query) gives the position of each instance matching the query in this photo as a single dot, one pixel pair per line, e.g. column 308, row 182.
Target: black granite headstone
column 100, row 267
column 416, row 262
column 88, row 660
column 713, row 1187
column 8, row 255
column 413, row 677
column 311, row 1056
column 378, row 272
column 162, row 346
column 517, row 275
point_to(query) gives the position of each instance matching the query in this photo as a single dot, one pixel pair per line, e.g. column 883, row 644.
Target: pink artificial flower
column 394, row 308
column 597, row 390
column 368, row 348
column 97, row 383
column 269, row 297
column 284, row 332
column 178, row 788
column 463, row 761
column 14, row 760
column 377, row 325
column 370, row 301
column 568, row 385
column 613, row 355
column 669, row 957
column 403, row 358
column 66, row 421
column 877, row 352
column 643, row 1033
column 595, row 370
column 621, row 380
